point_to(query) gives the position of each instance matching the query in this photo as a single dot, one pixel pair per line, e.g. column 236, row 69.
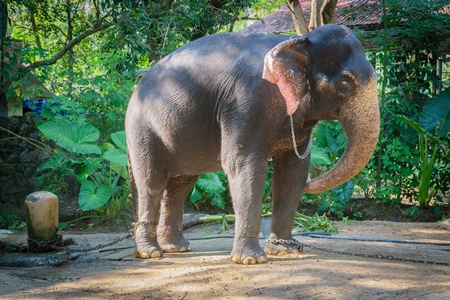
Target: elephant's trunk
column 360, row 118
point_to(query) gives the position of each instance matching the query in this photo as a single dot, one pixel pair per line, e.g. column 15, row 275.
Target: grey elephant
column 231, row 101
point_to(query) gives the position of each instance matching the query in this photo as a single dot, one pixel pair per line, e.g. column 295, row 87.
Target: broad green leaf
column 412, row 123
column 417, row 127
column 62, row 225
column 217, row 200
column 196, row 195
column 77, row 137
column 117, row 156
column 445, row 126
column 81, row 177
column 436, row 110
column 120, row 140
column 82, row 172
column 119, row 169
column 108, row 146
column 91, row 197
column 319, row 156
column 210, row 183
column 330, row 136
column 344, row 191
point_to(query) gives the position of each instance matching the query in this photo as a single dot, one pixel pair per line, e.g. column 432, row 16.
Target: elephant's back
column 207, row 64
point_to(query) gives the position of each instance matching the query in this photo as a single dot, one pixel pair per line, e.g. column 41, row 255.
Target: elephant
column 231, row 101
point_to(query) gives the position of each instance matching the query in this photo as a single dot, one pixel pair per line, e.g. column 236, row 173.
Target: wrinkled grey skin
column 223, row 102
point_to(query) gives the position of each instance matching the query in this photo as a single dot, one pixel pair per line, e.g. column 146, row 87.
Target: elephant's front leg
column 246, row 180
column 289, row 178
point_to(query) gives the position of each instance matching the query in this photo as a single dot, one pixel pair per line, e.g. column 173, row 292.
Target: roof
column 365, row 14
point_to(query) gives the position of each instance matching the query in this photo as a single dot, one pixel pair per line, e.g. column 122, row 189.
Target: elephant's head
column 325, row 75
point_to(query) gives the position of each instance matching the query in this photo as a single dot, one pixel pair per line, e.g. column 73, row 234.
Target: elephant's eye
column 344, row 85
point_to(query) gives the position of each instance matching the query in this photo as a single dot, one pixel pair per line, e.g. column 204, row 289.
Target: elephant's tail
column 133, row 189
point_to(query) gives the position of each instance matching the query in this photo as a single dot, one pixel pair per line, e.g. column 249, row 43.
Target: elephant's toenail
column 262, row 259
column 249, row 261
column 155, row 254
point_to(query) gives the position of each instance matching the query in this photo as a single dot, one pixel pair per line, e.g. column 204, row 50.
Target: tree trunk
column 322, row 12
column 327, row 11
column 298, row 17
column 3, row 25
column 315, row 20
column 70, row 52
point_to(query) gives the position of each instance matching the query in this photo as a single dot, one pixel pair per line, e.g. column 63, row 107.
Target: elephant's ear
column 286, row 65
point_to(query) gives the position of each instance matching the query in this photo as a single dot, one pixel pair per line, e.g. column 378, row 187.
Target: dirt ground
column 208, row 273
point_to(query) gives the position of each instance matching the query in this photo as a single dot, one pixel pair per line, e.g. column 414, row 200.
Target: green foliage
column 94, row 79
column 93, row 196
column 436, row 114
column 98, row 174
column 12, row 222
column 211, row 187
column 329, row 145
column 76, row 136
column 408, row 65
column 434, row 119
column 304, row 223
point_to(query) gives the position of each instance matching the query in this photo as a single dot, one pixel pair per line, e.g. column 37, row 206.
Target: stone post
column 42, row 221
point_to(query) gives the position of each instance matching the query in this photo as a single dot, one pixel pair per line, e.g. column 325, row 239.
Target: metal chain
column 294, row 242
column 44, row 246
column 130, row 233
column 377, row 256
column 308, row 148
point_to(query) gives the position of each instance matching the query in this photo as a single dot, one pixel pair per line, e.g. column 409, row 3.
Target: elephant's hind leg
column 170, row 228
column 146, row 234
column 151, row 180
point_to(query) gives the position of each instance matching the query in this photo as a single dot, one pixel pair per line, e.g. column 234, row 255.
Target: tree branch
column 56, row 57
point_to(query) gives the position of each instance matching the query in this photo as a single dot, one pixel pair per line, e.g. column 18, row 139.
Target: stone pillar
column 42, row 221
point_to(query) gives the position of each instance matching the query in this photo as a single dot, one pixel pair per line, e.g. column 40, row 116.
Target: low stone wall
column 18, row 162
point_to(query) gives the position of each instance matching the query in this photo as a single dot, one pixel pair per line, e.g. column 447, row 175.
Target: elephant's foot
column 280, row 248
column 171, row 246
column 146, row 243
column 248, row 254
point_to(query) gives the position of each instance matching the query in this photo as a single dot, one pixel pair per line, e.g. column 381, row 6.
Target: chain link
column 44, row 246
column 380, row 256
column 53, row 245
column 294, row 242
column 308, row 148
column 377, row 256
column 130, row 233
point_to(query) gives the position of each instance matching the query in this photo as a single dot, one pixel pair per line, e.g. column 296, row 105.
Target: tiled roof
column 362, row 13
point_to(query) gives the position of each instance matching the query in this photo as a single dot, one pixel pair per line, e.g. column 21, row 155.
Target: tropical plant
column 329, row 145
column 103, row 184
column 211, row 187
column 408, row 64
column 432, row 128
